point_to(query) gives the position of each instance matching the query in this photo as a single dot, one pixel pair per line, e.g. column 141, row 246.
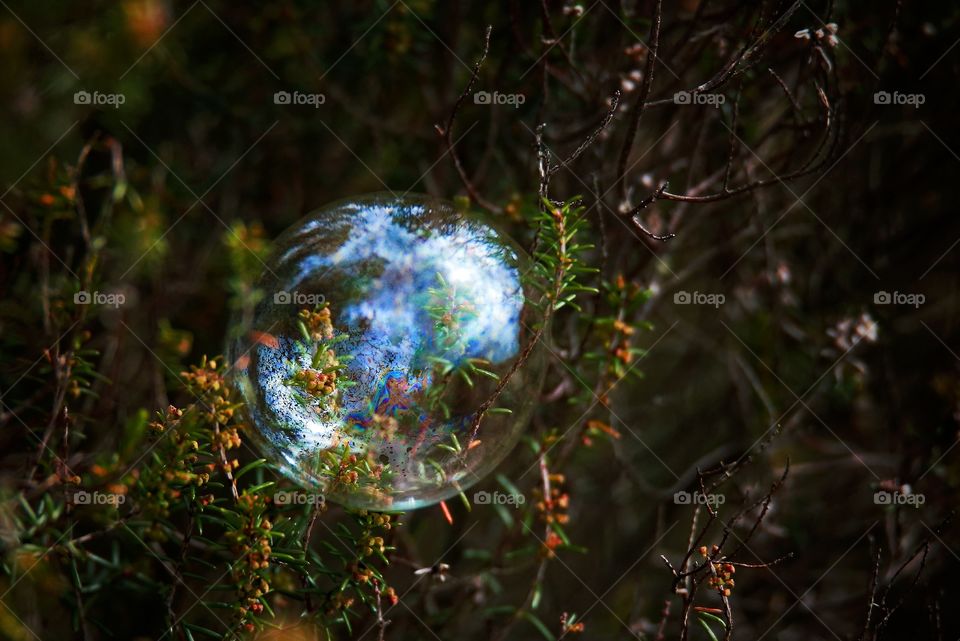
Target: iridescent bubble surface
column 386, row 325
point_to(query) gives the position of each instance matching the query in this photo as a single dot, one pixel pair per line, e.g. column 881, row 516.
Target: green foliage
column 558, row 262
column 121, row 521
column 175, row 512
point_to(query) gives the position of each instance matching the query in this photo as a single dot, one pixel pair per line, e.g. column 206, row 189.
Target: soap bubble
column 380, row 366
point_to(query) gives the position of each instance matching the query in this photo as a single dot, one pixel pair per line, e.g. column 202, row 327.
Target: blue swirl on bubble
column 398, row 274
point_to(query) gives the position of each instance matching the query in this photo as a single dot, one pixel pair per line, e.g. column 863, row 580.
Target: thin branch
column 446, row 131
column 641, row 102
column 634, row 214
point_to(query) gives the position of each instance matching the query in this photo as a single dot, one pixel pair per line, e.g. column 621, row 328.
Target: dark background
column 799, row 263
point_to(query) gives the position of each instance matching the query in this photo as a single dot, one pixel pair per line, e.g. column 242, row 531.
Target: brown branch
column 634, row 214
column 872, row 596
column 590, row 139
column 732, row 139
column 551, row 40
column 446, row 130
column 641, row 101
column 789, row 94
column 735, row 66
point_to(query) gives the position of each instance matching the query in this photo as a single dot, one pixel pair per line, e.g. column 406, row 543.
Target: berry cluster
column 316, row 383
column 318, row 323
column 722, row 579
column 179, row 448
column 251, row 544
column 553, row 509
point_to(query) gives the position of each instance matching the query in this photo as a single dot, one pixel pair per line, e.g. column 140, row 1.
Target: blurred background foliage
column 171, row 199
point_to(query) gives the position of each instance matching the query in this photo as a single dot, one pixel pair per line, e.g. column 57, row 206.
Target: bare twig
column 641, row 101
column 446, row 131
